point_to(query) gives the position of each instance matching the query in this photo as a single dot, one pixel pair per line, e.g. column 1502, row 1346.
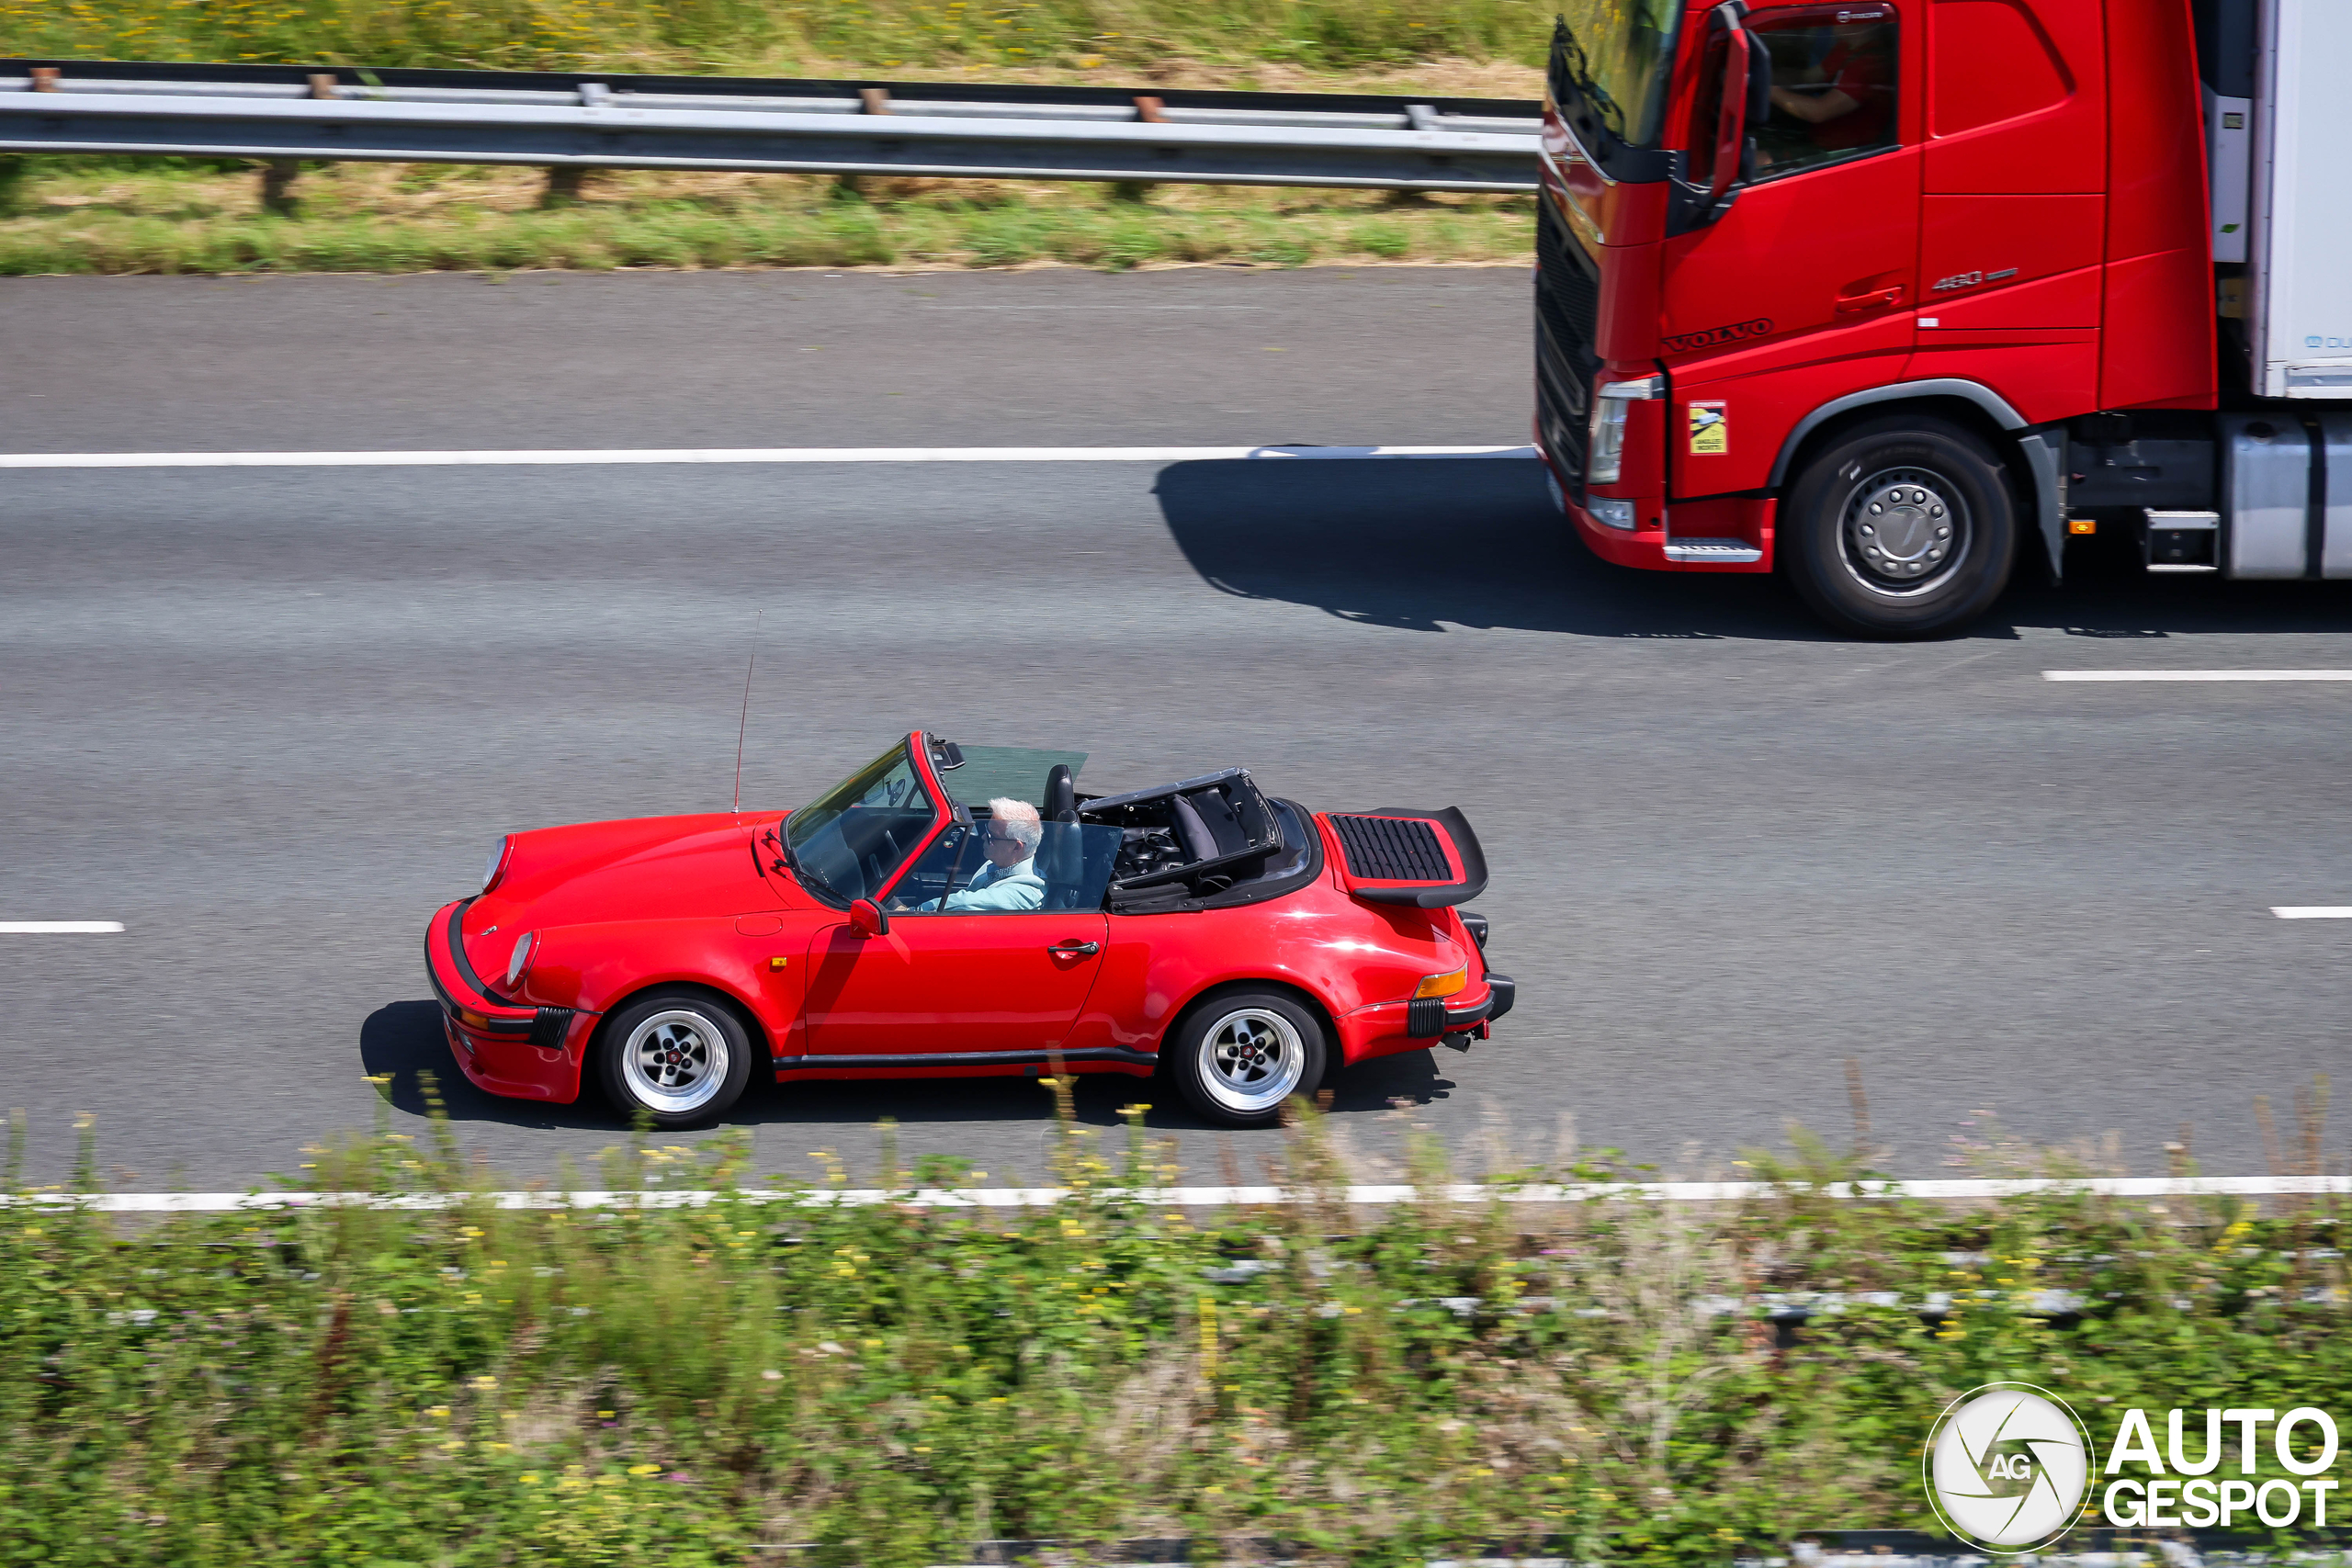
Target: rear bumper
column 1387, row 1029
column 503, row 1047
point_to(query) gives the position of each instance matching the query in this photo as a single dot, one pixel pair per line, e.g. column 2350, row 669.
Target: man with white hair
column 1010, row 879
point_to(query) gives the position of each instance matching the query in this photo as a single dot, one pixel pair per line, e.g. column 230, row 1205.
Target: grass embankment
column 127, row 215
column 466, row 1385
column 91, row 215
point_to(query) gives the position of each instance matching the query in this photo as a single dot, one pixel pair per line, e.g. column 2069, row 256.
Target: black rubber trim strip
column 452, row 940
column 973, row 1059
column 1474, row 863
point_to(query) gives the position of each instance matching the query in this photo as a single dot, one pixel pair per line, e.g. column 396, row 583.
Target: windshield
column 849, row 839
column 1616, row 55
column 1011, row 772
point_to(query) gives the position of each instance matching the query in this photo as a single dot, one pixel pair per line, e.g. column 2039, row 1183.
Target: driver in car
column 1010, row 879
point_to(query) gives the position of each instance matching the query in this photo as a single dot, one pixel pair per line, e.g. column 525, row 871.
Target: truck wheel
column 1239, row 1054
column 1904, row 527
column 676, row 1056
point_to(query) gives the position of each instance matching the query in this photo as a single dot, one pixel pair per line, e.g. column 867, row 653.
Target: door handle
column 1852, row 304
column 1075, row 949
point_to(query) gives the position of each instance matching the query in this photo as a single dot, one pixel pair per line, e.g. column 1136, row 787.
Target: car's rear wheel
column 1239, row 1054
column 677, row 1056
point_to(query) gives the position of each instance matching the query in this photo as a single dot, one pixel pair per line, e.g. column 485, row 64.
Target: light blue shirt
column 1015, row 887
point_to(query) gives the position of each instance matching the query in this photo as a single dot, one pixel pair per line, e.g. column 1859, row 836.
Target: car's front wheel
column 1240, row 1054
column 678, row 1056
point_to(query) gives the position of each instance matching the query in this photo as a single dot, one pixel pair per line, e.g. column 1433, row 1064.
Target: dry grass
column 120, row 216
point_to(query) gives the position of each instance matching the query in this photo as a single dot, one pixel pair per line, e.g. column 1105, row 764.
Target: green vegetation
column 68, row 215
column 84, row 215
column 784, row 37
column 459, row 1384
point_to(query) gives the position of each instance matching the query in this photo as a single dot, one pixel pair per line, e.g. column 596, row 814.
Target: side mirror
column 867, row 918
column 1731, row 119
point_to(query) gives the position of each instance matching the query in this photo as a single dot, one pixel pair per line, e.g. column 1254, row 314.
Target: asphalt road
column 270, row 719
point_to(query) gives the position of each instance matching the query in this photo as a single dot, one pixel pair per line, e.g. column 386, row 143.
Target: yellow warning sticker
column 1710, row 430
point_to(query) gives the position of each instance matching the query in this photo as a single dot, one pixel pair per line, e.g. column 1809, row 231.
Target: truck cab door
column 1803, row 288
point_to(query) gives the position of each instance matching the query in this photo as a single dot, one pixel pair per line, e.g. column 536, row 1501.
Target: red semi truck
column 1895, row 295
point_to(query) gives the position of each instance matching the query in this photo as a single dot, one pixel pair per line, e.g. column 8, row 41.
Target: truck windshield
column 1616, row 55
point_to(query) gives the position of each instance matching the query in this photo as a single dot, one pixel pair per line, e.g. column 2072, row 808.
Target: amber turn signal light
column 778, row 963
column 472, row 1019
column 2082, row 525
column 1442, row 985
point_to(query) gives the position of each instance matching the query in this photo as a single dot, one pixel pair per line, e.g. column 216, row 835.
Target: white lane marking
column 2313, row 911
column 2197, row 674
column 59, row 928
column 1205, row 1197
column 727, row 455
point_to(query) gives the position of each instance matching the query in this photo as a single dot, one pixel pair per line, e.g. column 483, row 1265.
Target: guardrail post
column 1150, row 111
column 278, row 186
column 870, row 100
column 44, row 78
column 564, row 186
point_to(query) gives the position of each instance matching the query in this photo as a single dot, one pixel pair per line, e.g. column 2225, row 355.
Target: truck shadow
column 403, row 1046
column 1421, row 546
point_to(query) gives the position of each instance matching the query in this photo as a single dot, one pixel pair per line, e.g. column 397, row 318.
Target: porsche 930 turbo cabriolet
column 967, row 912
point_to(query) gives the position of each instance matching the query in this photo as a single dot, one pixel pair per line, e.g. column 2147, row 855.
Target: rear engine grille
column 1567, row 307
column 1391, row 848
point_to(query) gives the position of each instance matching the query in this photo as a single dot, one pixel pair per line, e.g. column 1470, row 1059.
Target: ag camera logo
column 2006, row 1467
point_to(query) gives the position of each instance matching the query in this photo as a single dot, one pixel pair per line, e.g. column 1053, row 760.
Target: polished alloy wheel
column 675, row 1062
column 1254, row 1060
column 1903, row 533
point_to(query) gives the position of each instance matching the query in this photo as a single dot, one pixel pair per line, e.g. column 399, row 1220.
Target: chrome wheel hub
column 1902, row 531
column 1254, row 1059
column 674, row 1061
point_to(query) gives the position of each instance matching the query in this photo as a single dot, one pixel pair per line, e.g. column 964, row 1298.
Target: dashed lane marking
column 60, row 928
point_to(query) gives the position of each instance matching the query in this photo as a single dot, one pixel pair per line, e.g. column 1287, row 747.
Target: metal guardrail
column 588, row 120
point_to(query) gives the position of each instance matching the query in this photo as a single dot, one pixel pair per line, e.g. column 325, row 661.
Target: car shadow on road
column 402, row 1045
column 1477, row 543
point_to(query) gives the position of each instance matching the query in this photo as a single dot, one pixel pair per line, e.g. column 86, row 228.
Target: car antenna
column 744, row 721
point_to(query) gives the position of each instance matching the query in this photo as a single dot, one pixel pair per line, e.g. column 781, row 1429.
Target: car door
column 1805, row 288
column 1002, row 985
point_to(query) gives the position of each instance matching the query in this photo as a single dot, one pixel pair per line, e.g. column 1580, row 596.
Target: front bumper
column 503, row 1047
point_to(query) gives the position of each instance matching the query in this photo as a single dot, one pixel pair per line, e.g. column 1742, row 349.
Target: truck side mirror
column 867, row 918
column 1732, row 115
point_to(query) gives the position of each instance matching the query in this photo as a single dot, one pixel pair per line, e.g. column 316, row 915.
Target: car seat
column 1064, row 867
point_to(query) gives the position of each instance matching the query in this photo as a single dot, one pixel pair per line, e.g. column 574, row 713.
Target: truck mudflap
column 1406, row 856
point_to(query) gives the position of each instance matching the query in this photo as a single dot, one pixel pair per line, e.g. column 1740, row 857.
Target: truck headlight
column 1605, row 449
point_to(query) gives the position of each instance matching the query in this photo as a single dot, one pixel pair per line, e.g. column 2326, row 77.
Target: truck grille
column 1567, row 301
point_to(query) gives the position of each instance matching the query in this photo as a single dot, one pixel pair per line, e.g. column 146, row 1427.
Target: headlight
column 522, row 959
column 497, row 866
column 1605, row 452
column 1442, row 985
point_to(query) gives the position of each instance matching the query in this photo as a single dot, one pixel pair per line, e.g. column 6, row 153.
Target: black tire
column 1208, row 1055
column 676, row 1035
column 1904, row 527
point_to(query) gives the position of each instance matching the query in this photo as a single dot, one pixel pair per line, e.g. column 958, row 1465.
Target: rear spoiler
column 1404, row 855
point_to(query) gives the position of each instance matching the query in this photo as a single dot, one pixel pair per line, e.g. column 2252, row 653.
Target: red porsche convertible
column 967, row 912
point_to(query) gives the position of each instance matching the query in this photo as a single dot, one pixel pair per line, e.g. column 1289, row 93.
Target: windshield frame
column 802, row 824
column 1625, row 150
